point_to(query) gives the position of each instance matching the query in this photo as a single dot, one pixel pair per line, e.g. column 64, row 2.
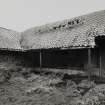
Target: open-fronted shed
column 72, row 35
column 12, row 56
column 77, row 43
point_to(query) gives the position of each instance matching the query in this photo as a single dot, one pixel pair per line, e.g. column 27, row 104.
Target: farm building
column 77, row 43
column 11, row 54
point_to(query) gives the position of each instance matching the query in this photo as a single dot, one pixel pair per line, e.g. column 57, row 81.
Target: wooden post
column 40, row 60
column 89, row 63
column 100, row 64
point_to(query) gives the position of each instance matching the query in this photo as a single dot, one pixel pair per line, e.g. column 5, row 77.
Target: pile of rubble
column 95, row 96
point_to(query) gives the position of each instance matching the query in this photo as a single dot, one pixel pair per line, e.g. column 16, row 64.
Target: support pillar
column 40, row 60
column 89, row 63
column 100, row 64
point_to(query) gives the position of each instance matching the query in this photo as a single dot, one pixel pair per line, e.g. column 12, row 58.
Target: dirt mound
column 85, row 85
column 95, row 96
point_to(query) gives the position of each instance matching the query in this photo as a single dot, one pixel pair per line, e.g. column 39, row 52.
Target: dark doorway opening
column 100, row 44
column 100, row 41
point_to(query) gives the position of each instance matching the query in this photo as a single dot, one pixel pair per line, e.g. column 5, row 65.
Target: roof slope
column 76, row 32
column 9, row 39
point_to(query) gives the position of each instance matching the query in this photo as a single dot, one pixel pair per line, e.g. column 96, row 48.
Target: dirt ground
column 33, row 88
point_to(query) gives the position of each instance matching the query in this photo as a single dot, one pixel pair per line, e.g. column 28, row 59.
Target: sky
column 20, row 15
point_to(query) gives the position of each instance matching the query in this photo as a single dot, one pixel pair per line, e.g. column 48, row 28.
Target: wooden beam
column 89, row 63
column 100, row 64
column 40, row 58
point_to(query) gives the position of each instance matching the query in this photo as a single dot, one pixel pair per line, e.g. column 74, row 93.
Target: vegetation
column 27, row 87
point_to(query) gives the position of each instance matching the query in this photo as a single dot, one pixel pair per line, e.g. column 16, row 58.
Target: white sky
column 23, row 14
